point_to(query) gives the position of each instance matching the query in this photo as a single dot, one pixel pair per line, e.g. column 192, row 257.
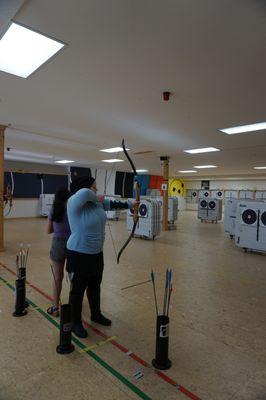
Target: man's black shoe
column 100, row 319
column 79, row 331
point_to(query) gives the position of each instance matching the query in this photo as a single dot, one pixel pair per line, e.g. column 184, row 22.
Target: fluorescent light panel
column 64, row 161
column 203, row 150
column 187, row 171
column 22, row 50
column 259, row 167
column 142, row 170
column 113, row 150
column 205, row 166
column 244, row 128
column 111, row 160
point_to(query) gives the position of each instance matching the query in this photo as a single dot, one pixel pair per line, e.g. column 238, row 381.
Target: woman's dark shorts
column 58, row 249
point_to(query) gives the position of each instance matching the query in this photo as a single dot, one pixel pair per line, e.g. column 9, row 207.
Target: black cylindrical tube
column 22, row 273
column 65, row 346
column 161, row 360
column 20, row 294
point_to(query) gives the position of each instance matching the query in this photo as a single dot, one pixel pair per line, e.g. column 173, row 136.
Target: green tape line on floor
column 82, row 346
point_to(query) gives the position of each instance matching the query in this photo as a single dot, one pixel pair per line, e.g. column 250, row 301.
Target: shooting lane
column 188, row 304
column 121, row 356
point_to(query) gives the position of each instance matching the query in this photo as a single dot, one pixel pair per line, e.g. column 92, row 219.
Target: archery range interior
column 183, row 83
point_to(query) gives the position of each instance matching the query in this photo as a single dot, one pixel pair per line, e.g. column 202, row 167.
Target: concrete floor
column 217, row 320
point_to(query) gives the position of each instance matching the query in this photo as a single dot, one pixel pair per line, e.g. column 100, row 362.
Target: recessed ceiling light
column 64, row 161
column 244, row 128
column 187, row 171
column 23, row 50
column 205, row 166
column 142, row 170
column 111, row 160
column 203, row 150
column 113, row 150
column 259, row 167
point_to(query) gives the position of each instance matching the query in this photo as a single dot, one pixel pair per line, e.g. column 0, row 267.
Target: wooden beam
column 2, row 147
column 165, row 161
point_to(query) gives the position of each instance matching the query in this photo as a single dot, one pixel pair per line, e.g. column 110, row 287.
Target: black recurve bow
column 136, row 206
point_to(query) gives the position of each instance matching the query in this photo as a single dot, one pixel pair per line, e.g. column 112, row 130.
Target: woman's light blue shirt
column 86, row 216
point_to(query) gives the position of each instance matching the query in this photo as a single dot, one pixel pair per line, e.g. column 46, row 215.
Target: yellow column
column 2, row 141
column 165, row 161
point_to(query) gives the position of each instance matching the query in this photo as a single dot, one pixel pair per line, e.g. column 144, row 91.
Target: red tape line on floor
column 163, row 376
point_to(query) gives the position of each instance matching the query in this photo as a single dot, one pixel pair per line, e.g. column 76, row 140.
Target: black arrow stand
column 161, row 360
column 65, row 346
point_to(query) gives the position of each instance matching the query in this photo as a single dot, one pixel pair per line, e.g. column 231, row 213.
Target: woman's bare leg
column 58, row 275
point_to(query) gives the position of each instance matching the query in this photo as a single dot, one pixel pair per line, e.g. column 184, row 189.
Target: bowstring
column 106, row 182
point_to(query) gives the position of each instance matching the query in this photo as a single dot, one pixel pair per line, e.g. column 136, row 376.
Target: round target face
column 176, row 187
column 212, row 205
column 143, row 210
column 249, row 217
column 263, row 218
column 206, row 194
column 194, row 194
column 219, row 194
column 203, row 203
column 131, row 211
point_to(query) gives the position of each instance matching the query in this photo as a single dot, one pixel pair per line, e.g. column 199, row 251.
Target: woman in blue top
column 86, row 215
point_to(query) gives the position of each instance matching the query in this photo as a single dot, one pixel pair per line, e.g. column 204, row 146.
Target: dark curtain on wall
column 25, row 185
column 53, row 182
column 28, row 185
column 124, row 184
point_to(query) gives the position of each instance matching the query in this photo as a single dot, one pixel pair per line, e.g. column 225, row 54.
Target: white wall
column 230, row 184
column 240, row 184
column 23, row 208
column 104, row 178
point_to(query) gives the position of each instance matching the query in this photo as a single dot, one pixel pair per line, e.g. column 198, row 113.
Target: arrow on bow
column 136, row 206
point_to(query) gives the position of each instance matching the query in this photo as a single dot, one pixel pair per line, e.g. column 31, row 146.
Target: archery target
column 249, row 217
column 143, row 210
column 176, row 187
column 203, row 203
column 263, row 218
column 212, row 204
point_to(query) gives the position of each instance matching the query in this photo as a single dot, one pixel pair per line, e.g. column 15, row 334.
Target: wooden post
column 165, row 160
column 2, row 141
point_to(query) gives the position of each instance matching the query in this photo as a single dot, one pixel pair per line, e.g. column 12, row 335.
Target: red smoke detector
column 166, row 96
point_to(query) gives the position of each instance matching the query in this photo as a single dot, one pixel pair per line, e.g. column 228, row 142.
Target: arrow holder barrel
column 161, row 360
column 22, row 273
column 20, row 293
column 65, row 346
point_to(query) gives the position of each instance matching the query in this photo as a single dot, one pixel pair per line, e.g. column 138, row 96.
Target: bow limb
column 136, row 206
column 8, row 198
